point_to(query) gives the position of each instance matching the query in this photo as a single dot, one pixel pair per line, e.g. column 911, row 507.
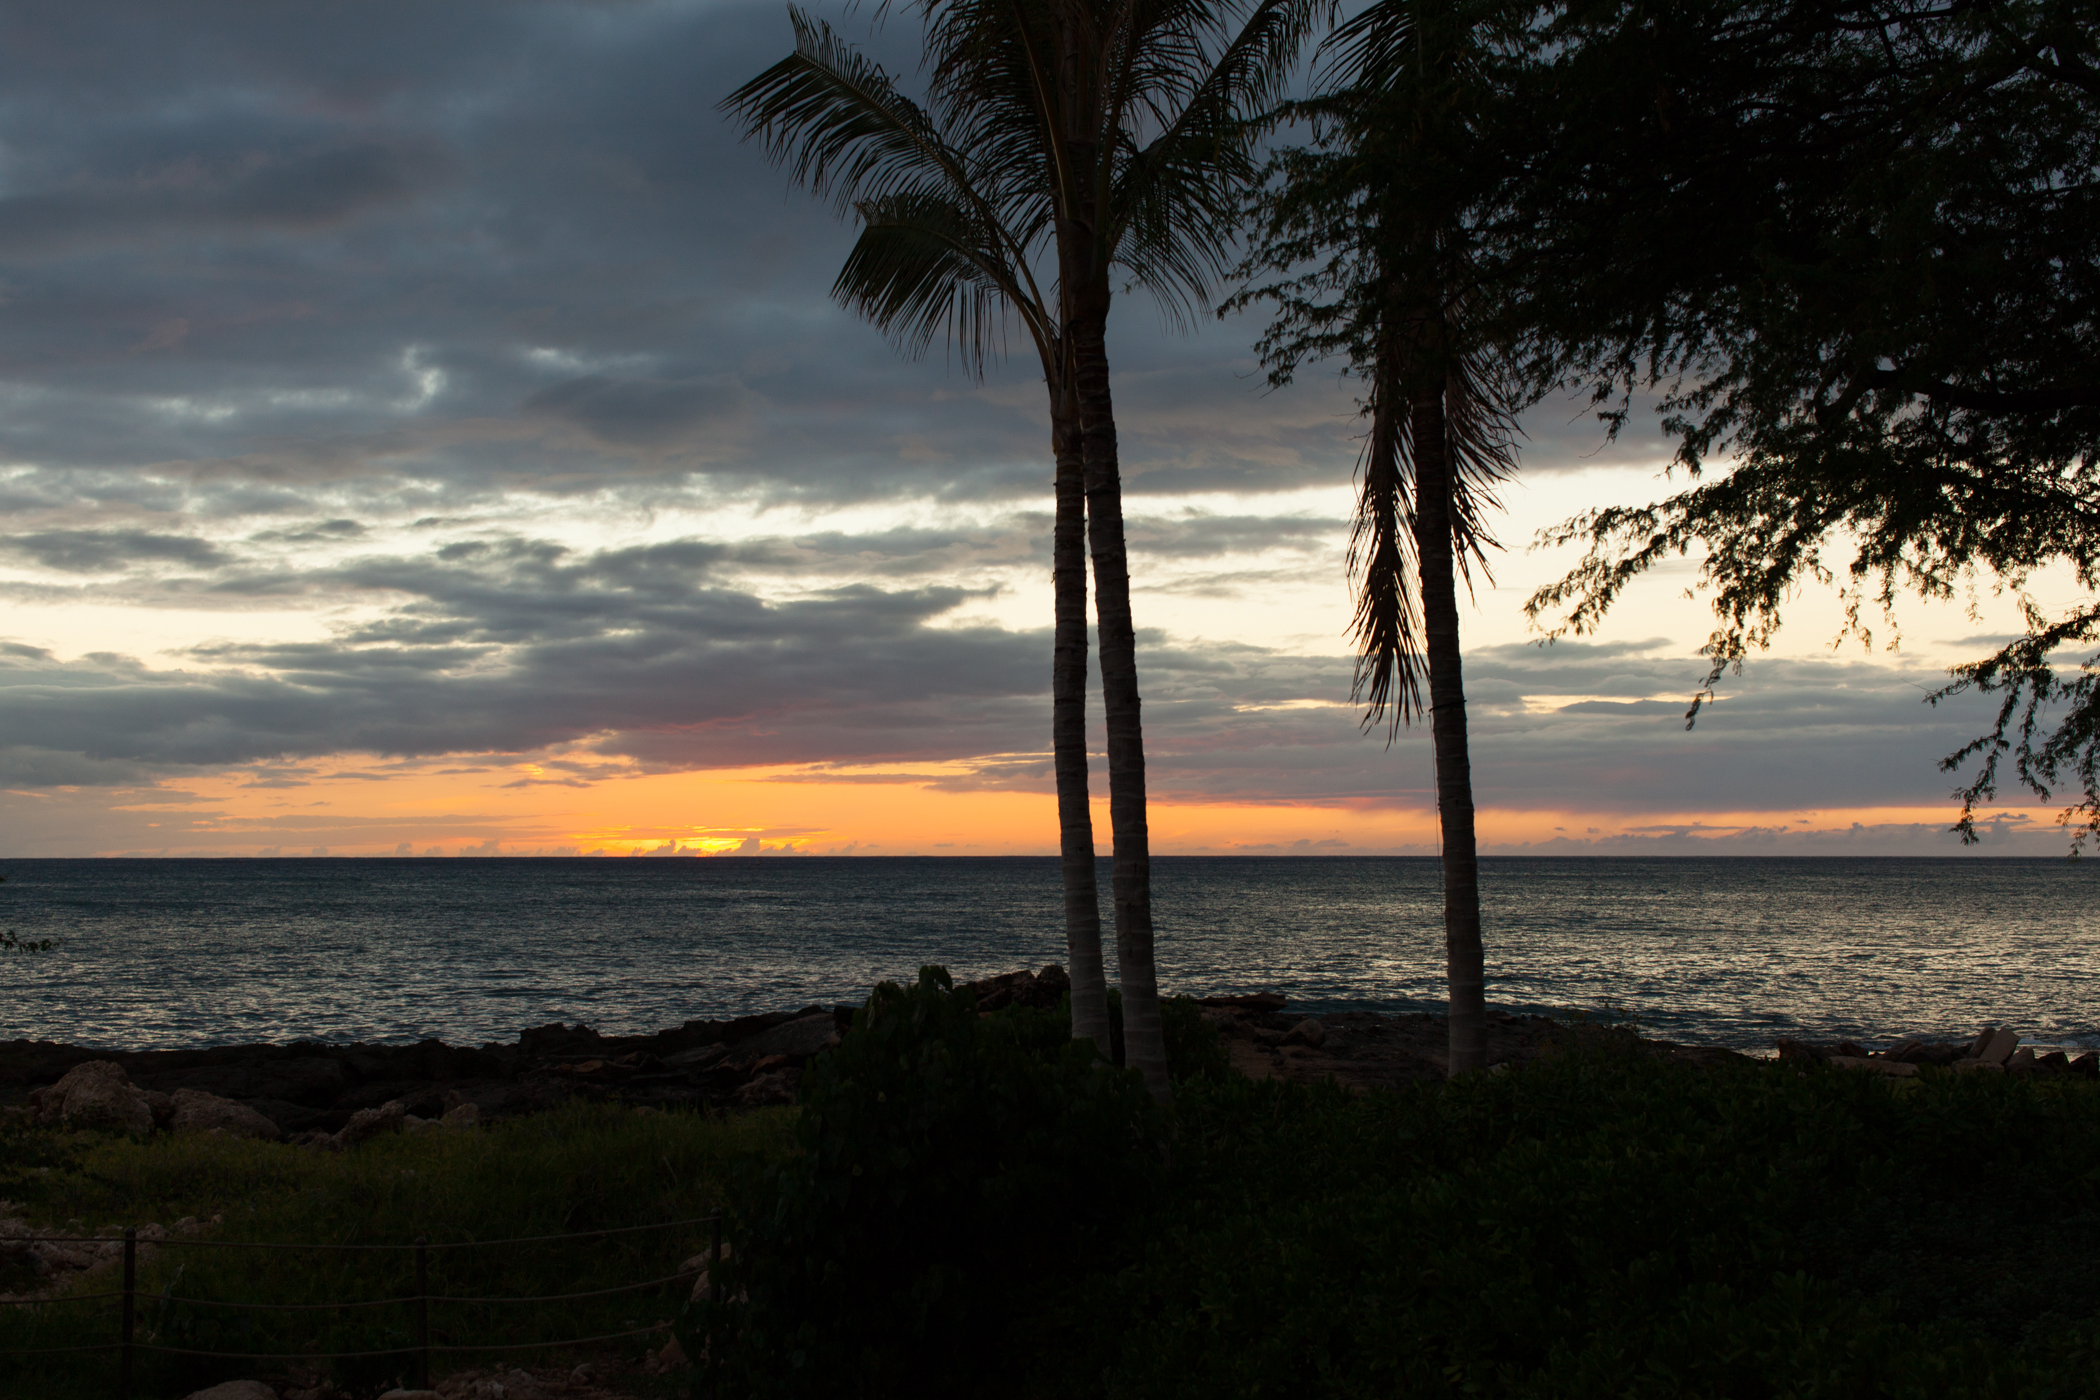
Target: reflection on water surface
column 164, row 953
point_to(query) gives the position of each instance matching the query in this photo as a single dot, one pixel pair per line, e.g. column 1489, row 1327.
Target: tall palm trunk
column 1075, row 816
column 1144, row 1041
column 1465, row 973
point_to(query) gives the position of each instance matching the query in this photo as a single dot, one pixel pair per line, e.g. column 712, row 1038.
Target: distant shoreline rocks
column 337, row 1095
column 1994, row 1050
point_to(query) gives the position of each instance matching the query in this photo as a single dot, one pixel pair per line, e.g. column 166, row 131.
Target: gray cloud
column 98, row 551
column 320, row 532
column 640, row 412
column 515, row 645
column 488, row 246
column 279, row 192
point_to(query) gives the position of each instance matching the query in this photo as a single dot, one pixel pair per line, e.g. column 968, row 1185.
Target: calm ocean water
column 168, row 953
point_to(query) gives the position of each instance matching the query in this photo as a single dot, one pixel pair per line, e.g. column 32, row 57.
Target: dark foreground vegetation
column 580, row 1167
column 976, row 1212
column 965, row 1206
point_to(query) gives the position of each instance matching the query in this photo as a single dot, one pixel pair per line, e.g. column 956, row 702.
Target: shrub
column 951, row 1165
column 1194, row 1051
column 1605, row 1225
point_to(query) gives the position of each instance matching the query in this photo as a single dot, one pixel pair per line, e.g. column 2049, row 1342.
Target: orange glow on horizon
column 366, row 807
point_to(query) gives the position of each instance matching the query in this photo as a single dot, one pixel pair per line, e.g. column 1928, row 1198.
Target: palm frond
column 923, row 267
column 1481, row 421
column 1178, row 197
column 835, row 120
column 947, row 236
column 1371, row 47
column 1480, row 435
column 1391, row 665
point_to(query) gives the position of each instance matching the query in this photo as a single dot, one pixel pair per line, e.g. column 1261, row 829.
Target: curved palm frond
column 1480, row 429
column 1143, row 111
column 835, row 120
column 1391, row 662
column 1372, row 47
column 923, row 266
column 1177, row 202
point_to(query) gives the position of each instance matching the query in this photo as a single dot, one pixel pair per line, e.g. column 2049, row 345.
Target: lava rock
column 98, row 1095
column 810, row 1035
column 198, row 1112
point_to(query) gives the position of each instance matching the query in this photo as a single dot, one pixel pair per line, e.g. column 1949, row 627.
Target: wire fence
column 418, row 1353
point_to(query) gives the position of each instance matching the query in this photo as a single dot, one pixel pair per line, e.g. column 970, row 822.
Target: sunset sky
column 424, row 430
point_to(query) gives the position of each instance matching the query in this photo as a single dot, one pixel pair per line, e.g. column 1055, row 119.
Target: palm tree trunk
column 1075, row 817
column 1465, row 975
column 1144, row 1042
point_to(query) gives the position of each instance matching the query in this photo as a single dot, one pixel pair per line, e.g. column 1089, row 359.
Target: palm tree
column 1120, row 132
column 1134, row 121
column 939, row 252
column 1380, row 208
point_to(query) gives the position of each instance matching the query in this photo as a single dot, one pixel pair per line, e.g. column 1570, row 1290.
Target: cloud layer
column 411, row 382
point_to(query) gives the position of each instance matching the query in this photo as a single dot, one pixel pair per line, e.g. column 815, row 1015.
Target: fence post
column 128, row 1303
column 714, row 1298
column 422, row 1314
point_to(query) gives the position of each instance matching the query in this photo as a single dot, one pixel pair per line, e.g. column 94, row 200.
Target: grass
column 583, row 1167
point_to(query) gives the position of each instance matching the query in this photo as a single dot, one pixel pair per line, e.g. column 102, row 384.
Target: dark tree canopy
column 1856, row 248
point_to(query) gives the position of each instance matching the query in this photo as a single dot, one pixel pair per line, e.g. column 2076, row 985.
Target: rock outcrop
column 1367, row 1049
column 194, row 1111
column 341, row 1095
column 1994, row 1050
column 235, row 1390
column 96, row 1094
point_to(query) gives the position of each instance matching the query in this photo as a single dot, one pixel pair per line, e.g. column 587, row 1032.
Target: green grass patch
column 583, row 1167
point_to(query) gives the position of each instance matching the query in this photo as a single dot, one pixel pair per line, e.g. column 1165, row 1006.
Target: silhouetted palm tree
column 1379, row 211
column 942, row 252
column 1134, row 122
column 1120, row 132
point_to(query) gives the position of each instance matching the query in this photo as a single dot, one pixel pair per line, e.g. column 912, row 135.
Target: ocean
column 160, row 954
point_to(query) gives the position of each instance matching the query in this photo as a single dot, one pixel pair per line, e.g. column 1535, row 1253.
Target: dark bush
column 1605, row 1225
column 980, row 1210
column 952, row 1165
column 1194, row 1051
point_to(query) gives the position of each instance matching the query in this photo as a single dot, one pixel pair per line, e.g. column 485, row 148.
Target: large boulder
column 198, row 1112
column 97, row 1095
column 704, row 1262
column 289, row 1117
column 769, row 1087
column 368, row 1123
column 695, row 1060
column 798, row 1039
column 2000, row 1047
column 235, row 1390
column 1023, row 988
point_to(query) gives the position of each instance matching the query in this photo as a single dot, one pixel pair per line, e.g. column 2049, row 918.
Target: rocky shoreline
column 314, row 1091
column 326, row 1094
column 1994, row 1050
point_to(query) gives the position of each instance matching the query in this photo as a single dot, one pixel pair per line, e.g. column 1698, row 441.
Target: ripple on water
column 1726, row 951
